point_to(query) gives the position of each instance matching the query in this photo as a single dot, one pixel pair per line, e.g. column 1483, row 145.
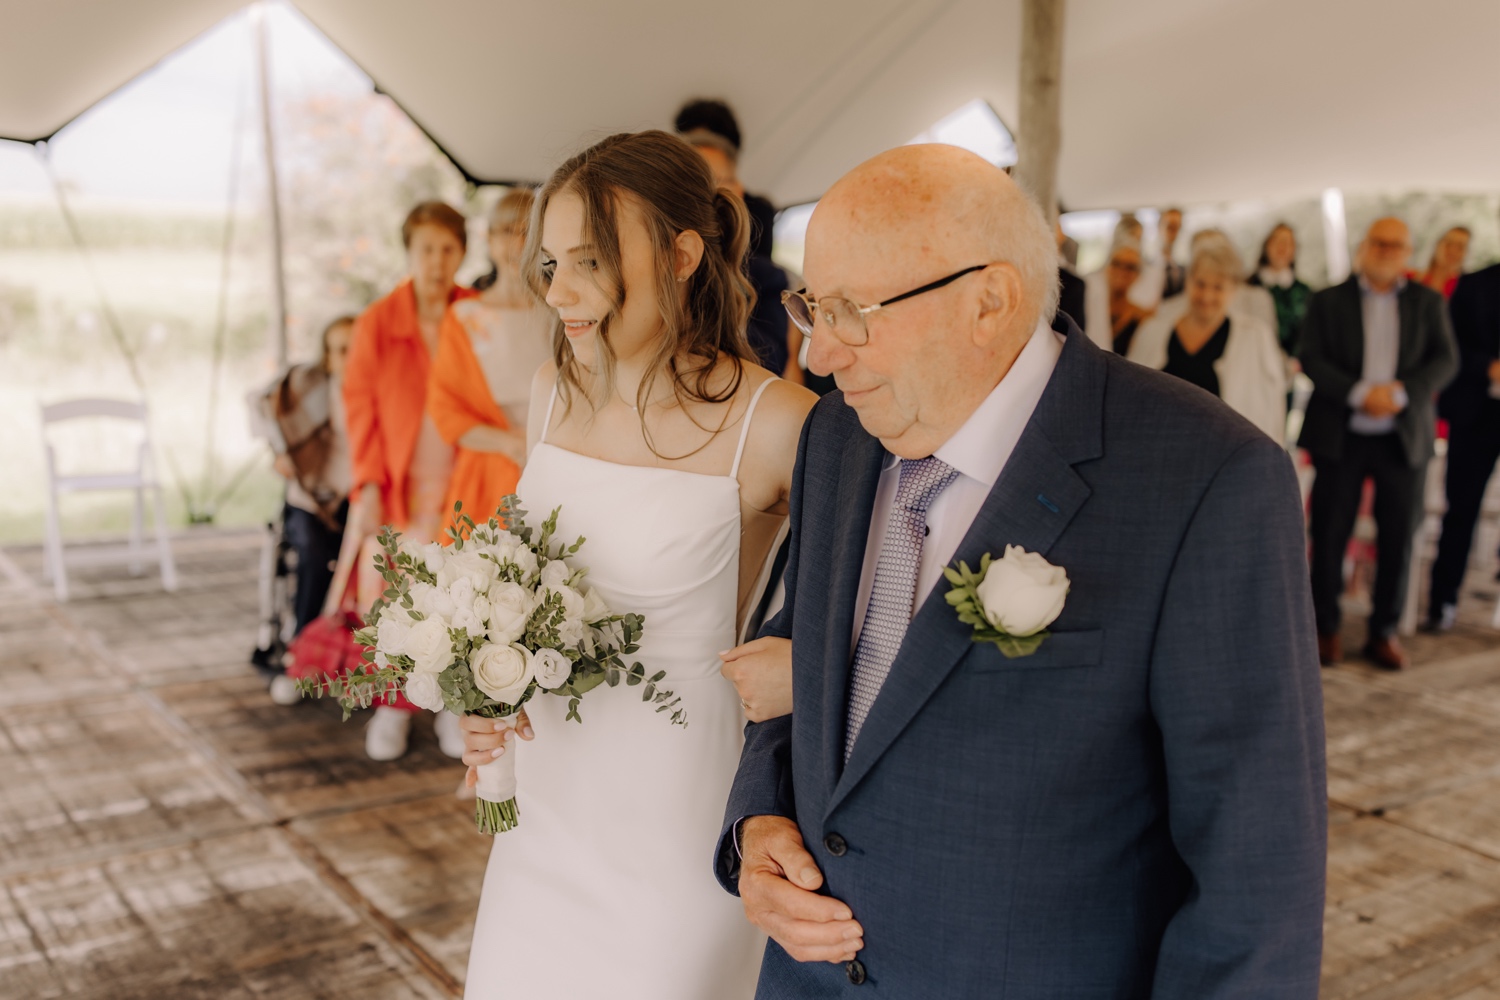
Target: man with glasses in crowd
column 1378, row 348
column 1131, row 803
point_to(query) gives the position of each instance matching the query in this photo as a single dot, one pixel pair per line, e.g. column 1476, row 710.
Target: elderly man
column 1129, row 804
column 1377, row 348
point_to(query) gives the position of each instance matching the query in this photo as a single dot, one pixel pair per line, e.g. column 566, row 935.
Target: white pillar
column 1335, row 236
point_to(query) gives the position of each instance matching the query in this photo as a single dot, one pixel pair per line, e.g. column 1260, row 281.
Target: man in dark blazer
column 1135, row 809
column 1471, row 405
column 1378, row 348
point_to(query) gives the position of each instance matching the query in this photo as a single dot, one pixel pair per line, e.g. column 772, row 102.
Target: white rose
column 1022, row 593
column 461, row 592
column 503, row 548
column 467, row 620
column 510, row 605
column 572, row 602
column 431, row 601
column 525, row 560
column 571, row 632
column 469, row 564
column 502, row 671
column 428, row 646
column 552, row 668
column 433, row 555
column 390, row 633
column 422, row 690
column 555, row 574
column 594, row 608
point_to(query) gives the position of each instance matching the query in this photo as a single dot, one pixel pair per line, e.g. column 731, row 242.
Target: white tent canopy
column 1163, row 100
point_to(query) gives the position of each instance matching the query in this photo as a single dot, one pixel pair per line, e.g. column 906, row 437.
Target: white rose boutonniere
column 1010, row 601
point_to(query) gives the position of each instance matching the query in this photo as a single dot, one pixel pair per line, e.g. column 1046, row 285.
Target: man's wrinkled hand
column 778, row 879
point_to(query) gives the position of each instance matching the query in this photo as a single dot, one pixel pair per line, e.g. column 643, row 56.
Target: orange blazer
column 458, row 399
column 385, row 395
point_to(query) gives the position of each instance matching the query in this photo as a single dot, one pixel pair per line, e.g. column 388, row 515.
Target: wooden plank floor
column 165, row 831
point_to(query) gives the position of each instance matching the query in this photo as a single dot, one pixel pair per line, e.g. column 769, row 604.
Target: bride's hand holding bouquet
column 483, row 625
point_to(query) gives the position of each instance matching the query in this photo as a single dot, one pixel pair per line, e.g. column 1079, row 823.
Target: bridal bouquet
column 481, row 626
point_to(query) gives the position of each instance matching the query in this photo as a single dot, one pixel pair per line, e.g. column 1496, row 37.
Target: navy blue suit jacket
column 1136, row 810
column 1475, row 312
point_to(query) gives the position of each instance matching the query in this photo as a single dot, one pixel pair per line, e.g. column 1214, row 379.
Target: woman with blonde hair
column 658, row 439
column 488, row 350
column 1237, row 358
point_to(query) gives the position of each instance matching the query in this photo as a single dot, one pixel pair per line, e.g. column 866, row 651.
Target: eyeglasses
column 846, row 319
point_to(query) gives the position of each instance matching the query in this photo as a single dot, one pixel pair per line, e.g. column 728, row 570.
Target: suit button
column 836, row 845
column 855, row 970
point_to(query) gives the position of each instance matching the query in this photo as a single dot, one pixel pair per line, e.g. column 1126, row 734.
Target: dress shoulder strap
column 739, row 452
column 547, row 421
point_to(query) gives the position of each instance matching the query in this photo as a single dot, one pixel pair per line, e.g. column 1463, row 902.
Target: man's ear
column 687, row 254
column 1000, row 303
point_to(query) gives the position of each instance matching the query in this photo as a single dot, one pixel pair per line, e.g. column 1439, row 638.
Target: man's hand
column 284, row 467
column 1380, row 401
column 761, row 671
column 777, row 882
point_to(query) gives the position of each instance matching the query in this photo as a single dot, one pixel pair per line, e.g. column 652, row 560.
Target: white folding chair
column 141, row 480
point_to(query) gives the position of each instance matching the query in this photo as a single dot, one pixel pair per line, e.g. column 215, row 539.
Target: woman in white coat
column 1231, row 354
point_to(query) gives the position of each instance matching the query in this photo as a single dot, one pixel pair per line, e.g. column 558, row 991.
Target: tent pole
column 1335, row 236
column 1040, row 118
column 273, row 194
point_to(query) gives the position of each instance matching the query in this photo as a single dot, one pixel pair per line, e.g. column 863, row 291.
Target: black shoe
column 1443, row 619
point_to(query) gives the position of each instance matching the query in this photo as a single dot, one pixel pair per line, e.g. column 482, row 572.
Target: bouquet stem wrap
column 495, row 794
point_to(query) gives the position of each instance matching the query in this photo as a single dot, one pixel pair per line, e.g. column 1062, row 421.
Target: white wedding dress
column 606, row 887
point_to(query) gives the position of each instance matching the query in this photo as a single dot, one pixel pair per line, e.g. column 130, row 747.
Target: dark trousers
column 1472, row 452
column 317, row 548
column 1335, row 506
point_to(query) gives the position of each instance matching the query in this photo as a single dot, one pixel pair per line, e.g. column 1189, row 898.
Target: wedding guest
column 401, row 462
column 1236, row 360
column 309, row 437
column 1447, row 263
column 1163, row 277
column 1471, row 405
column 1276, row 272
column 1377, row 348
column 1249, row 300
column 1074, row 291
column 1131, row 805
column 775, row 341
column 1112, row 317
column 488, row 350
column 717, row 118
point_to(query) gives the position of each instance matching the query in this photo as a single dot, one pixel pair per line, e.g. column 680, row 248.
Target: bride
column 672, row 453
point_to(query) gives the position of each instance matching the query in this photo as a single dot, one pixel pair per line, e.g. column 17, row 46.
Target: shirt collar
column 1364, row 287
column 982, row 446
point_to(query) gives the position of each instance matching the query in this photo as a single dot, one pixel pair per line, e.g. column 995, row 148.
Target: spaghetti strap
column 547, row 421
column 739, row 452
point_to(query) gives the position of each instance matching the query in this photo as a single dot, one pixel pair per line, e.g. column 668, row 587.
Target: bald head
column 940, row 208
column 908, row 218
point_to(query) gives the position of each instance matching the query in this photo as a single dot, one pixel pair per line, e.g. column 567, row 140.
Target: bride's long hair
column 676, row 192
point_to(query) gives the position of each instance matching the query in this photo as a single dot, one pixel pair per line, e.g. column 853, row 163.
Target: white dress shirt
column 979, row 451
column 1380, row 312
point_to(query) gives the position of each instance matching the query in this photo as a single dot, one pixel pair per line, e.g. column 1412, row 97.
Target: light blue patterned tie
column 891, row 596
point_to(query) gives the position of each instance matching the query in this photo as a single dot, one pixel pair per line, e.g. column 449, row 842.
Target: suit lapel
column 1035, row 498
column 858, row 481
column 1354, row 303
column 1409, row 350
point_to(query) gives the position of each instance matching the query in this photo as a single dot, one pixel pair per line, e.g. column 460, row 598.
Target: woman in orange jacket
column 401, row 462
column 488, row 350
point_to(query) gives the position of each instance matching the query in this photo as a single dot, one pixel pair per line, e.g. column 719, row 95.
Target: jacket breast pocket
column 1060, row 650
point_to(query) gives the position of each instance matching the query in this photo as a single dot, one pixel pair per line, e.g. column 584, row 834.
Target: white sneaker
column 385, row 736
column 450, row 735
column 284, row 690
